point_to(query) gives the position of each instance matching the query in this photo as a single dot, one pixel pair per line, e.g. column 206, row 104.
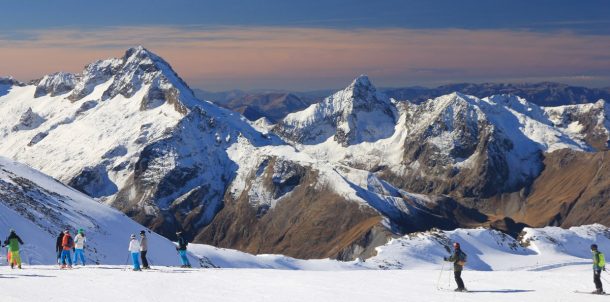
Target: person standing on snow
column 67, row 244
column 134, row 249
column 58, row 248
column 79, row 246
column 144, row 249
column 599, row 265
column 13, row 241
column 181, row 248
column 459, row 260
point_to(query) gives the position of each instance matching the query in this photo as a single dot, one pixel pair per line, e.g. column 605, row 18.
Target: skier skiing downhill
column 459, row 260
column 181, row 248
column 79, row 246
column 13, row 241
column 599, row 265
column 134, row 249
column 144, row 249
column 67, row 243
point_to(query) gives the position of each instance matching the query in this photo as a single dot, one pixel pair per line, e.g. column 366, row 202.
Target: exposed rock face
column 308, row 224
column 572, row 190
column 28, row 120
column 55, row 84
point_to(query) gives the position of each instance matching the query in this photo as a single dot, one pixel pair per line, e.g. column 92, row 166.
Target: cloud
column 308, row 58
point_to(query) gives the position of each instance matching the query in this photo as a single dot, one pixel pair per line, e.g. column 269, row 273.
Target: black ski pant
column 458, row 279
column 144, row 260
column 597, row 274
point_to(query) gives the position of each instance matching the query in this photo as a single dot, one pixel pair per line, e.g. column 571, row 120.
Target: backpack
column 602, row 260
column 70, row 241
column 462, row 257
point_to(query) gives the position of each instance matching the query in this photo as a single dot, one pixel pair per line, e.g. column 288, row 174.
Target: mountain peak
column 362, row 81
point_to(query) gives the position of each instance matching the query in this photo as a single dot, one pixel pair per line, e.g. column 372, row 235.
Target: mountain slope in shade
column 39, row 207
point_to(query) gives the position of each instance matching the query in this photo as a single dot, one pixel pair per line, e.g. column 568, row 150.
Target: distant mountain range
column 327, row 178
column 274, row 105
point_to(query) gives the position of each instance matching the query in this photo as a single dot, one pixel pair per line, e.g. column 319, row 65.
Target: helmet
column 142, row 232
column 80, row 231
column 594, row 247
column 456, row 245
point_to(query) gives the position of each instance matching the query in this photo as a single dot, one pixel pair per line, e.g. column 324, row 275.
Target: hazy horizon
column 318, row 45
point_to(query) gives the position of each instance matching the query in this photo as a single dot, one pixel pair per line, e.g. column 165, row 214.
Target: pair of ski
column 590, row 293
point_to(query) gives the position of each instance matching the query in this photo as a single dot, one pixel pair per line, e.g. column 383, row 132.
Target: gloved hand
column 445, row 258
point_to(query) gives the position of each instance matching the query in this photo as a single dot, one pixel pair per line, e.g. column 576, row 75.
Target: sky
column 317, row 44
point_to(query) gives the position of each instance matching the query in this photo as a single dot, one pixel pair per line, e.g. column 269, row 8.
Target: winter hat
column 594, row 247
column 66, row 231
column 133, row 236
column 12, row 231
column 142, row 232
column 80, row 231
column 456, row 245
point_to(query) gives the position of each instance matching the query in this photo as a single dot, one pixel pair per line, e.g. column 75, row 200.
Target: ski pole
column 127, row 261
column 440, row 274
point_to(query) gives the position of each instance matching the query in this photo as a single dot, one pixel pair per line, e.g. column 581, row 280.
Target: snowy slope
column 237, row 285
column 536, row 249
column 589, row 122
column 487, row 250
column 38, row 207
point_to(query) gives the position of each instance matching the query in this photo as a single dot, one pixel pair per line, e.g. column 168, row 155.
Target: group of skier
column 458, row 257
column 139, row 248
column 65, row 244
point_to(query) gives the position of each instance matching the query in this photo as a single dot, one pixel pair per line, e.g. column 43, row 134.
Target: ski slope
column 112, row 283
column 39, row 207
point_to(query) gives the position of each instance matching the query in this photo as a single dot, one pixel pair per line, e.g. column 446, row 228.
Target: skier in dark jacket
column 459, row 260
column 181, row 248
column 59, row 248
column 13, row 241
column 144, row 249
column 599, row 265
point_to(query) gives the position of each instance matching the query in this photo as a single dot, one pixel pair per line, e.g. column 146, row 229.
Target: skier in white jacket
column 79, row 247
column 134, row 248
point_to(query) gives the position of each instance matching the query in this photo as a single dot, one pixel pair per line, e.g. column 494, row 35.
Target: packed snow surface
column 113, row 283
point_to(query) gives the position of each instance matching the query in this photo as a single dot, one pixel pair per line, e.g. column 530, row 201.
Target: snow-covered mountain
column 357, row 114
column 128, row 131
column 39, row 207
column 334, row 180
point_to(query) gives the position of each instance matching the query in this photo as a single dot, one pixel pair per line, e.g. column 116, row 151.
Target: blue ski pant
column 136, row 260
column 79, row 254
column 65, row 257
column 183, row 258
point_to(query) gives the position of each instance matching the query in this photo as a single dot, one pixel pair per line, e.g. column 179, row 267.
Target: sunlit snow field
column 114, row 283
